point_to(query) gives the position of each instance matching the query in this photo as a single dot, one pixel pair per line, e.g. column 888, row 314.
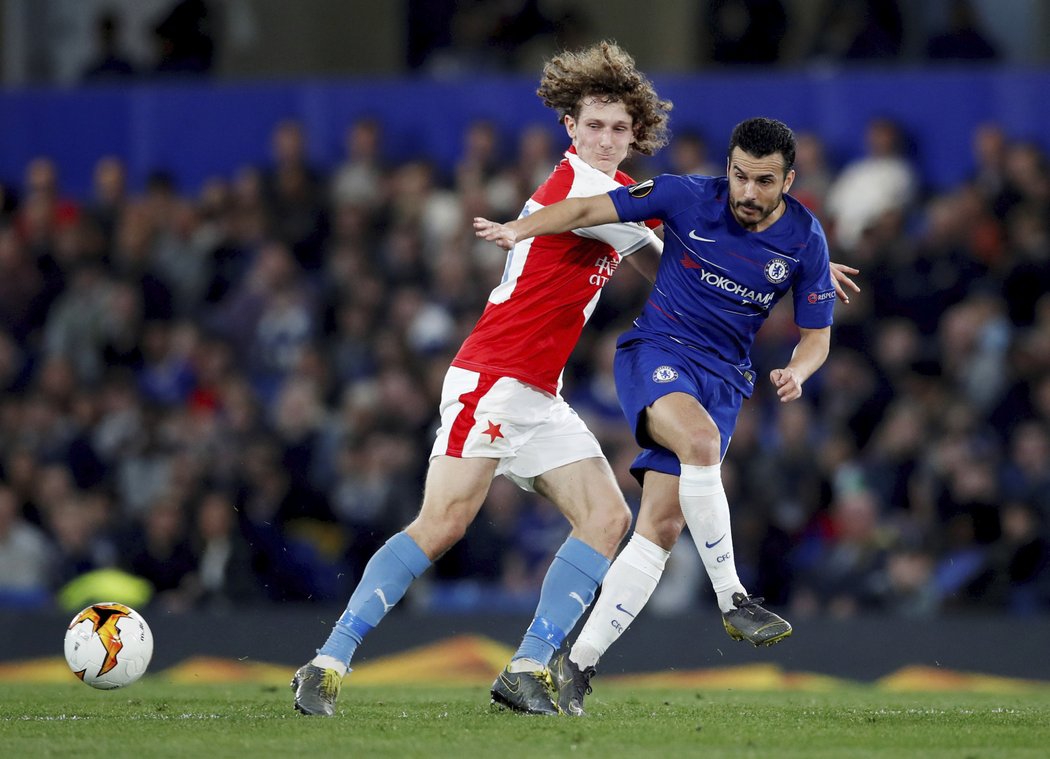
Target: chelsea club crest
column 777, row 270
column 665, row 374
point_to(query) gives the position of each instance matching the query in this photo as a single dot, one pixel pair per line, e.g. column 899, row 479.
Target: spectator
column 1027, row 275
column 8, row 202
column 746, row 31
column 293, row 192
column 43, row 209
column 859, row 30
column 989, row 155
column 222, row 577
column 360, row 179
column 1026, row 472
column 852, row 552
column 963, row 39
column 109, row 197
column 906, row 588
column 814, row 175
column 882, row 181
column 22, row 310
column 15, row 366
column 165, row 375
column 1027, row 182
column 110, row 64
column 83, row 540
column 75, row 325
column 371, row 490
column 157, row 549
column 132, row 262
column 535, row 155
column 26, row 557
column 1014, row 574
column 288, row 564
column 185, row 39
column 687, row 154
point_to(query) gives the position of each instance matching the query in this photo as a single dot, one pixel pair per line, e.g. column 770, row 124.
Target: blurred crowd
column 231, row 393
column 459, row 38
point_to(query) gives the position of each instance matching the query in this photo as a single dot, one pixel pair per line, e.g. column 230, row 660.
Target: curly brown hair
column 607, row 72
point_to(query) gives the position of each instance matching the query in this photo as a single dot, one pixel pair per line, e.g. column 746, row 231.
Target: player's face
column 602, row 135
column 756, row 188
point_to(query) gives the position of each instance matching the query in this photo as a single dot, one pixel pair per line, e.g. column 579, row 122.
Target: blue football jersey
column 717, row 282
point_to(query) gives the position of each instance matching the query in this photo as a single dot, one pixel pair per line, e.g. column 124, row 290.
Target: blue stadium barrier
column 199, row 130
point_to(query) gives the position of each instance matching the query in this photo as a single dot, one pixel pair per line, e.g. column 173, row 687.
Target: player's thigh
column 661, row 395
column 455, row 490
column 581, row 487
column 678, row 422
column 660, row 516
column 587, row 493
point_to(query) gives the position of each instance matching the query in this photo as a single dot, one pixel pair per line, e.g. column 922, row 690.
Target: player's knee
column 667, row 531
column 619, row 521
column 701, row 447
column 605, row 525
column 661, row 527
column 436, row 533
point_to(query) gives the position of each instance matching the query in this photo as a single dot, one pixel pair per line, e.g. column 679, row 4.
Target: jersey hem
column 528, row 379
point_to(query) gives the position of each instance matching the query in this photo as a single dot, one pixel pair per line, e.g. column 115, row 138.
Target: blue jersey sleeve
column 813, row 291
column 655, row 198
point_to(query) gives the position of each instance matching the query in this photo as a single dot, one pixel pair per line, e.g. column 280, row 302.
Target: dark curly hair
column 761, row 137
column 607, row 72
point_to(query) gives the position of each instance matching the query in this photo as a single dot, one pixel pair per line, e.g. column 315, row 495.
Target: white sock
column 330, row 662
column 630, row 581
column 706, row 511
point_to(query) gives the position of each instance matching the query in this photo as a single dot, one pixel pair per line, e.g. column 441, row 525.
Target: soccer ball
column 108, row 645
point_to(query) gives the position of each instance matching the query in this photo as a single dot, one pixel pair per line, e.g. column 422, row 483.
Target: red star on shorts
column 493, row 432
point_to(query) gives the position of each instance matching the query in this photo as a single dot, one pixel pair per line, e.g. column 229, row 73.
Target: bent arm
column 646, row 260
column 571, row 213
column 808, row 356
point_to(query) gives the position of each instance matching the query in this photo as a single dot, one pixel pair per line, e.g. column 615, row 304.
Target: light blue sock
column 568, row 589
column 386, row 578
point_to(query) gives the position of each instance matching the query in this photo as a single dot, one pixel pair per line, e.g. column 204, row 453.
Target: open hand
column 840, row 276
column 492, row 231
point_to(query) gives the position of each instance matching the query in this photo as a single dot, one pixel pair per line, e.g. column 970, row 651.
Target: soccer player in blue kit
column 733, row 247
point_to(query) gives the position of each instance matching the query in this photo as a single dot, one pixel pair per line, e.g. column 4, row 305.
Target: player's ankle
column 329, row 662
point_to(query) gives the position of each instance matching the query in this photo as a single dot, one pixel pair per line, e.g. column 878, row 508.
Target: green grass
column 158, row 719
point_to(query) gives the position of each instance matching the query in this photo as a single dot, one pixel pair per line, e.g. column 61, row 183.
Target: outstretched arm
column 808, row 356
column 571, row 213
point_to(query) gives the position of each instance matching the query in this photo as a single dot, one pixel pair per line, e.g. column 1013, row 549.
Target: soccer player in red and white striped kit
column 501, row 411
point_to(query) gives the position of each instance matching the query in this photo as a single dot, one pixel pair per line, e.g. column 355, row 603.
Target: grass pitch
column 153, row 718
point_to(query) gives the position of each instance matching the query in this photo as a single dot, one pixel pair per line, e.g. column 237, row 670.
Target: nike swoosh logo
column 712, row 545
column 695, row 236
column 618, row 606
column 576, row 597
column 512, row 685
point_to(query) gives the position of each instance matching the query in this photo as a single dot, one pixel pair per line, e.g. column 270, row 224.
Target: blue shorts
column 646, row 371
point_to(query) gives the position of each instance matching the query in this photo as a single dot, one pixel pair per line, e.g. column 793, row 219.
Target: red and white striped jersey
column 551, row 285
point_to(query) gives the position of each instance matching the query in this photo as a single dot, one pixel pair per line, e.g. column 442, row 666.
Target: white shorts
column 494, row 417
